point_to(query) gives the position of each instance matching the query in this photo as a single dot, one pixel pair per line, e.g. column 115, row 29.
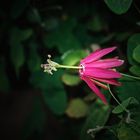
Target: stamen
column 49, row 56
column 51, row 66
column 100, row 84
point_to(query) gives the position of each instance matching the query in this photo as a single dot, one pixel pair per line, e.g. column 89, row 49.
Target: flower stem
column 126, row 110
column 69, row 67
column 130, row 76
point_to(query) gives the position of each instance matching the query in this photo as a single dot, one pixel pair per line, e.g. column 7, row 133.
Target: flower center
column 81, row 71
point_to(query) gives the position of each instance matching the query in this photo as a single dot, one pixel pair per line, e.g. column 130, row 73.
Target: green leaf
column 135, row 69
column 77, row 108
column 82, row 35
column 73, row 57
column 118, row 6
column 125, row 103
column 51, row 23
column 70, row 80
column 35, row 120
column 96, row 24
column 56, row 100
column 98, row 116
column 18, row 8
column 136, row 53
column 40, row 79
column 121, row 36
column 136, row 117
column 133, row 42
column 125, row 132
column 17, row 35
column 17, row 52
column 63, row 37
column 4, row 81
column 68, row 24
column 62, row 40
column 17, row 57
column 53, row 90
column 128, row 89
column 25, row 34
column 34, row 16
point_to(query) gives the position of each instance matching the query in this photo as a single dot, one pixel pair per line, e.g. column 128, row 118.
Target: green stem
column 69, row 67
column 130, row 76
column 117, row 100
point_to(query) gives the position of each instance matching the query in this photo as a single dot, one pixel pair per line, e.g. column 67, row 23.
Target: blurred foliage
column 35, row 120
column 69, row 30
column 119, row 6
column 77, row 108
column 126, row 103
column 96, row 118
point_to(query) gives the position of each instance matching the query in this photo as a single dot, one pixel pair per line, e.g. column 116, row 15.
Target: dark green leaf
column 41, row 79
column 56, row 100
column 34, row 16
column 63, row 37
column 81, row 32
column 68, row 24
column 26, row 34
column 53, row 90
column 51, row 24
column 125, row 103
column 128, row 89
column 17, row 56
column 136, row 53
column 118, row 6
column 133, row 42
column 17, row 35
column 121, row 36
column 98, row 116
column 135, row 69
column 35, row 121
column 96, row 24
column 62, row 40
column 34, row 61
column 125, row 132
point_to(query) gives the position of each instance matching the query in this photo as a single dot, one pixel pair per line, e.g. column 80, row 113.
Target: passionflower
column 96, row 71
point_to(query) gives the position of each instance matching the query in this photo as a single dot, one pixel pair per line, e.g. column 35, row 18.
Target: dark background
column 33, row 104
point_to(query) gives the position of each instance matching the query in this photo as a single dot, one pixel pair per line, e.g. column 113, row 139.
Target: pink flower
column 97, row 71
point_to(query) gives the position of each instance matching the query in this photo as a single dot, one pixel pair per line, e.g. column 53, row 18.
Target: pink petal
column 109, row 81
column 100, row 73
column 97, row 55
column 94, row 88
column 105, row 63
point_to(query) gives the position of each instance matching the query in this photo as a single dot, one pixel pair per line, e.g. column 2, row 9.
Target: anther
column 49, row 56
